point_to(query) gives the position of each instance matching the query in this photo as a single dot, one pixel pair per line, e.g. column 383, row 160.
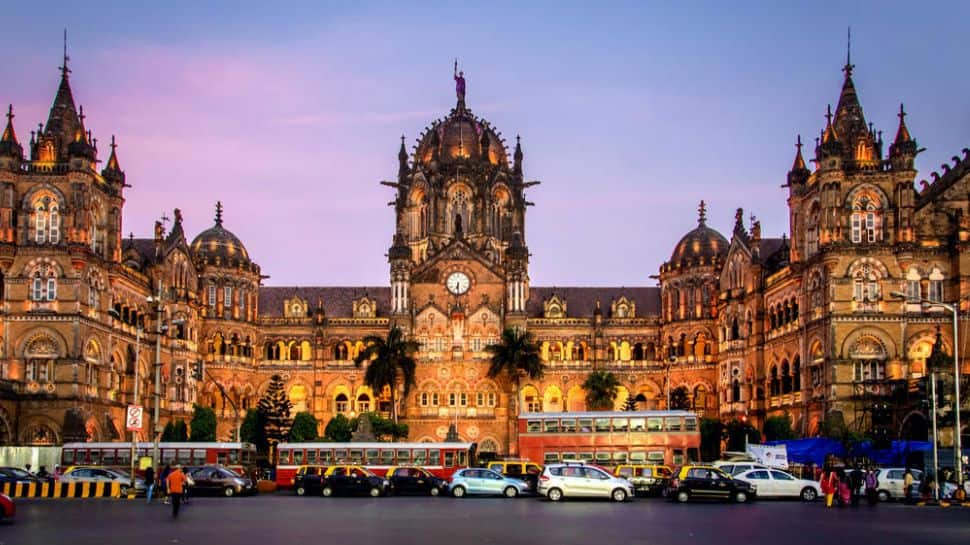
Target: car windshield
column 119, row 473
column 17, row 472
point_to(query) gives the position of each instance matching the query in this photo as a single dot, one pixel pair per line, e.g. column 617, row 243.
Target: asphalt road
column 285, row 519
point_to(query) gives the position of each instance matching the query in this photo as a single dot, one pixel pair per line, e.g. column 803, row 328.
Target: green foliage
column 679, row 399
column 516, row 355
column 601, row 389
column 180, row 431
column 390, row 362
column 304, row 428
column 203, row 425
column 339, row 429
column 168, row 434
column 384, row 428
column 274, row 407
column 735, row 432
column 778, row 428
column 712, row 431
column 252, row 430
column 630, row 404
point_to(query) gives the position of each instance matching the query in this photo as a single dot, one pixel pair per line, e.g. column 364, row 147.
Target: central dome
column 701, row 245
column 218, row 242
column 461, row 135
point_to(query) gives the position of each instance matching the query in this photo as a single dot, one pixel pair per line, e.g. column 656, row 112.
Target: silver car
column 83, row 474
column 485, row 482
column 580, row 480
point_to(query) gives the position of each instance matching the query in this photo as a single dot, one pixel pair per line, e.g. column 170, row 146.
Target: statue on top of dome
column 460, row 86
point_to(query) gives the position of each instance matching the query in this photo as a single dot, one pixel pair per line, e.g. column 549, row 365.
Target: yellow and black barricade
column 62, row 490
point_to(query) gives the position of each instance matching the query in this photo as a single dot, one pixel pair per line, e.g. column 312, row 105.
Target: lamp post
column 134, row 438
column 156, row 408
column 957, row 447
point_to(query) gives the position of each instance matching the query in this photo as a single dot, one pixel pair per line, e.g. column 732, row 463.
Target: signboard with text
column 133, row 418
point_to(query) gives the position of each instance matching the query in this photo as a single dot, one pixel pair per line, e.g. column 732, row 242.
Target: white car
column 891, row 482
column 774, row 483
column 86, row 474
column 736, row 468
column 580, row 480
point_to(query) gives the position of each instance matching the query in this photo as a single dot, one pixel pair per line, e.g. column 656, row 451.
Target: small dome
column 702, row 244
column 463, row 135
column 217, row 242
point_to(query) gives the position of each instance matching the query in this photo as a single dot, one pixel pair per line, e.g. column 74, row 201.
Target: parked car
column 523, row 470
column 15, row 475
column 891, row 483
column 735, row 468
column 774, row 483
column 485, row 482
column 414, row 480
column 647, row 479
column 309, row 480
column 85, row 474
column 581, row 480
column 217, row 479
column 7, row 507
column 353, row 480
column 708, row 482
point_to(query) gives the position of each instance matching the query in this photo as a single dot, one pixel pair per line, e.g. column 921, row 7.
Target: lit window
column 242, row 300
column 37, row 293
column 51, row 286
column 212, row 295
column 55, row 225
column 866, row 219
column 227, row 296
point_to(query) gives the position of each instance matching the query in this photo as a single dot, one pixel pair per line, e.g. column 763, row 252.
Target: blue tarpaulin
column 814, row 450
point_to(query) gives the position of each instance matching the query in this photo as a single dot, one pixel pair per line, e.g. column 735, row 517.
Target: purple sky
column 629, row 115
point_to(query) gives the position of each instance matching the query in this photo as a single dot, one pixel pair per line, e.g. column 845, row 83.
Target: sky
column 630, row 113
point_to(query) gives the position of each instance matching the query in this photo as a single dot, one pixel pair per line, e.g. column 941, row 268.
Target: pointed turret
column 62, row 122
column 112, row 170
column 9, row 146
column 82, row 146
column 702, row 214
column 903, row 150
column 517, row 156
column 402, row 159
column 739, row 230
column 799, row 172
column 831, row 146
column 399, row 249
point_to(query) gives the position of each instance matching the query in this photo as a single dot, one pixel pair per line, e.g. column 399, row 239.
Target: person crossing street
column 176, row 486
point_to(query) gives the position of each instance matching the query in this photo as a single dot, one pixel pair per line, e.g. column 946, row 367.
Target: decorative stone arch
column 576, row 399
column 853, row 338
column 42, row 342
column 918, row 348
column 552, row 400
column 40, row 430
column 851, row 196
column 488, row 444
column 529, row 398
column 874, row 263
column 300, row 394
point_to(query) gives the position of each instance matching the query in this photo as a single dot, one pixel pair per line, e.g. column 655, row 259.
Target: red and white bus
column 237, row 456
column 442, row 459
column 610, row 438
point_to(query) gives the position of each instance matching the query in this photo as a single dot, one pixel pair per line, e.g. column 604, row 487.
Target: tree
column 630, row 404
column 601, row 390
column 168, row 434
column 304, row 428
column 390, row 362
column 778, row 428
column 339, row 429
column 274, row 408
column 679, row 399
column 203, row 425
column 735, row 432
column 384, row 429
column 515, row 355
column 253, row 430
column 180, row 433
column 712, row 431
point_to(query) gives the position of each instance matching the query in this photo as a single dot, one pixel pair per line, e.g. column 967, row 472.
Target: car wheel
column 458, row 492
column 619, row 495
column 435, row 491
column 554, row 494
column 683, row 496
column 809, row 494
column 300, row 491
column 510, row 492
column 883, row 495
column 229, row 491
column 375, row 492
column 124, row 491
column 741, row 497
column 327, row 491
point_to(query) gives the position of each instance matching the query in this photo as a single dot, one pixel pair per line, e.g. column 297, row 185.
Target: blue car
column 485, row 482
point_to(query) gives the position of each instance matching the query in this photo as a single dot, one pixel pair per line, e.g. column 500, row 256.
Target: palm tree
column 601, row 390
column 516, row 355
column 390, row 361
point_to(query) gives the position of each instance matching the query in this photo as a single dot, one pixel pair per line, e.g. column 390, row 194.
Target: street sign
column 133, row 418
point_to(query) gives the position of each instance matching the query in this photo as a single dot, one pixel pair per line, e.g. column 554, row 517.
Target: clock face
column 458, row 283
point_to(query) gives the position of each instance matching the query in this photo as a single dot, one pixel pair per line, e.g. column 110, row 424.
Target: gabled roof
column 337, row 300
column 581, row 301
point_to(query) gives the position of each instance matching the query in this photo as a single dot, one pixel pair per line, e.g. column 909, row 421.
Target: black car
column 216, row 479
column 704, row 482
column 14, row 475
column 415, row 480
column 353, row 481
column 309, row 480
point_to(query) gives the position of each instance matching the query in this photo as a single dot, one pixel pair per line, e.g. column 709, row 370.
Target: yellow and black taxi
column 309, row 479
column 708, row 482
column 648, row 479
column 353, row 480
column 414, row 480
column 522, row 470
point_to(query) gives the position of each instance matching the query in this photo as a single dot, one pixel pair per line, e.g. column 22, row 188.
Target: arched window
column 811, row 231
column 866, row 218
column 735, row 330
column 736, row 391
column 44, row 284
column 363, row 403
column 936, row 286
column 341, row 403
column 774, row 384
column 865, row 286
column 638, row 352
column 785, row 377
column 796, row 375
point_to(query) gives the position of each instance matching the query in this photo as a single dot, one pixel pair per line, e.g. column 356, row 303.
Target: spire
column 8, row 133
column 902, row 134
column 219, row 213
column 9, row 146
column 113, row 160
column 81, row 144
column 849, row 119
column 517, row 156
column 799, row 172
column 702, row 213
column 799, row 163
column 829, row 135
column 848, row 54
column 62, row 122
column 739, row 229
column 402, row 159
column 903, row 150
column 64, row 69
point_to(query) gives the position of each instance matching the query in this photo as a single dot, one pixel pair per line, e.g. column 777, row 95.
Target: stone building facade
column 746, row 327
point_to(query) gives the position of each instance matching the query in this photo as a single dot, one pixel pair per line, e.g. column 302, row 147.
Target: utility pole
column 156, row 432
column 936, row 454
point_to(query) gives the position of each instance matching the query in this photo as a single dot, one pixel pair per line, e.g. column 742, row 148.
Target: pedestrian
column 27, row 467
column 872, row 487
column 42, row 473
column 149, row 482
column 176, row 486
column 163, row 481
column 856, row 480
column 829, row 483
column 844, row 491
column 908, row 486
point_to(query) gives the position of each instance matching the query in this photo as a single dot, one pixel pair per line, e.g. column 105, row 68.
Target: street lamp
column 957, row 447
column 134, row 439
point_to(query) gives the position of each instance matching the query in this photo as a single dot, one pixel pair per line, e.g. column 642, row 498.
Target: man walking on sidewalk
column 176, row 486
column 149, row 482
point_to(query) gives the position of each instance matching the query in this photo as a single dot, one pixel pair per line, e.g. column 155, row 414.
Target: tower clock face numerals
column 458, row 283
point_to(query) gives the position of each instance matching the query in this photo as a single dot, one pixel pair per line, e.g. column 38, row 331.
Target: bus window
column 625, row 472
column 184, row 456
column 462, row 458
column 690, row 424
column 449, row 458
column 678, row 456
column 124, row 457
column 356, row 455
column 568, row 425
column 619, row 457
column 674, row 424
column 298, row 457
column 223, row 457
column 372, row 456
column 585, row 425
column 233, row 456
column 603, row 425
column 603, row 458
column 434, row 457
column 311, row 456
column 638, row 457
column 567, row 456
column 637, row 424
column 655, row 424
column 404, row 456
column 620, row 424
column 551, row 457
column 108, row 457
column 656, row 456
column 340, row 456
column 95, row 456
column 198, row 456
column 68, row 457
column 387, row 457
column 586, row 456
column 533, row 426
column 168, row 456
column 420, row 457
column 326, row 456
column 551, row 425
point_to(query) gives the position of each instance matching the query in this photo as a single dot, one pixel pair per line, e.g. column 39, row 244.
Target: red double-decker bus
column 442, row 459
column 236, row 456
column 610, row 438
